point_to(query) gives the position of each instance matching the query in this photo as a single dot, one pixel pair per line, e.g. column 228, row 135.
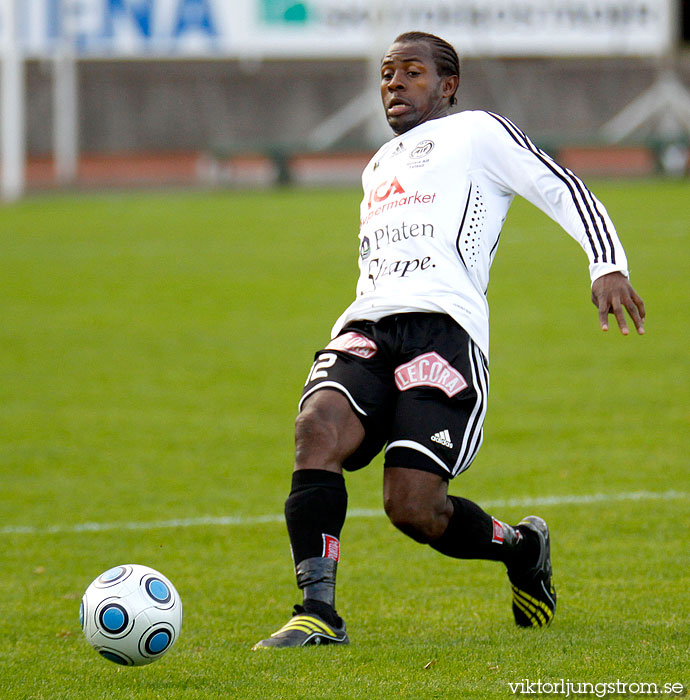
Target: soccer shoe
column 305, row 629
column 534, row 596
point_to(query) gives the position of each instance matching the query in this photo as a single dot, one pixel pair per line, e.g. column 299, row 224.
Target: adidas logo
column 400, row 149
column 442, row 438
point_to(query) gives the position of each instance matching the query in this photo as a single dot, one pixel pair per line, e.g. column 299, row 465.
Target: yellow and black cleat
column 532, row 612
column 534, row 595
column 305, row 629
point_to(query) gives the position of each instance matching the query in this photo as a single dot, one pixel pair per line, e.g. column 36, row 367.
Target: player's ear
column 450, row 85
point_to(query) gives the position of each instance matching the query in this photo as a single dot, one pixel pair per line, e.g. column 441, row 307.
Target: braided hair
column 445, row 57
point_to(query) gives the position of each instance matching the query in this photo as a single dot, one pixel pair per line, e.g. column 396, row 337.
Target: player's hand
column 611, row 294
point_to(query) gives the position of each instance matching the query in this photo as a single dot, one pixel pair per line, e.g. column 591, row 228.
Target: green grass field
column 152, row 351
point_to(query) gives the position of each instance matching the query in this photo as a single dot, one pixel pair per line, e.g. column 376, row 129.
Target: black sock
column 315, row 513
column 474, row 534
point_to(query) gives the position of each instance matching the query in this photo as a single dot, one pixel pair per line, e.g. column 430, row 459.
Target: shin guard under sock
column 315, row 513
column 474, row 534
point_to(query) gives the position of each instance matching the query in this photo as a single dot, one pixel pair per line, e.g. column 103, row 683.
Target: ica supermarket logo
column 389, row 195
column 384, row 191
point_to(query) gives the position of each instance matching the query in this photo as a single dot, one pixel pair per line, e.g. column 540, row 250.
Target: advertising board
column 342, row 28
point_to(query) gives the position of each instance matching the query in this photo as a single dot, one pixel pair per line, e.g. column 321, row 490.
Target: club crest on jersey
column 423, row 148
column 431, row 370
column 354, row 344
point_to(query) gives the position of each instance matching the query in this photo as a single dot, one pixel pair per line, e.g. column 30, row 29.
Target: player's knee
column 326, row 432
column 314, row 434
column 416, row 520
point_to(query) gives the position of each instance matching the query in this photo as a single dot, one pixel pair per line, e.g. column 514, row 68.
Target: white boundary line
column 230, row 520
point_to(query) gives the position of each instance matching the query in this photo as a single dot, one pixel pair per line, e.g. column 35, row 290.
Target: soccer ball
column 131, row 615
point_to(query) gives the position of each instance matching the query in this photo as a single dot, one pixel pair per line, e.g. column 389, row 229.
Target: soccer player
column 407, row 366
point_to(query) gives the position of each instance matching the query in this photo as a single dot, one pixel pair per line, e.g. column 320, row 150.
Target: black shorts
column 419, row 385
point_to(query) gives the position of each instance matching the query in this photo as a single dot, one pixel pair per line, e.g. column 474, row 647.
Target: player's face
column 411, row 89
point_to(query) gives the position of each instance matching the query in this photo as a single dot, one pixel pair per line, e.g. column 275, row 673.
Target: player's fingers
column 604, row 319
column 613, row 306
column 637, row 312
column 641, row 308
column 604, row 309
column 618, row 312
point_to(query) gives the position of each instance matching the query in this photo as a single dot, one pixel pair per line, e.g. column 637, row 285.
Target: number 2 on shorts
column 320, row 367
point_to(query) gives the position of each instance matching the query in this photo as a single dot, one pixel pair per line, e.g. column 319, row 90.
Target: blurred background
column 99, row 93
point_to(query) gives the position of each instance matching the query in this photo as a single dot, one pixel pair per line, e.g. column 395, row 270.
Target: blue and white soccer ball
column 131, row 614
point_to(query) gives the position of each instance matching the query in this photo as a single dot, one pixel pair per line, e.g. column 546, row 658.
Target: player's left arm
column 612, row 294
column 522, row 168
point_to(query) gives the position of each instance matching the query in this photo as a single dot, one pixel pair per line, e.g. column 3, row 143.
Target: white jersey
column 435, row 199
